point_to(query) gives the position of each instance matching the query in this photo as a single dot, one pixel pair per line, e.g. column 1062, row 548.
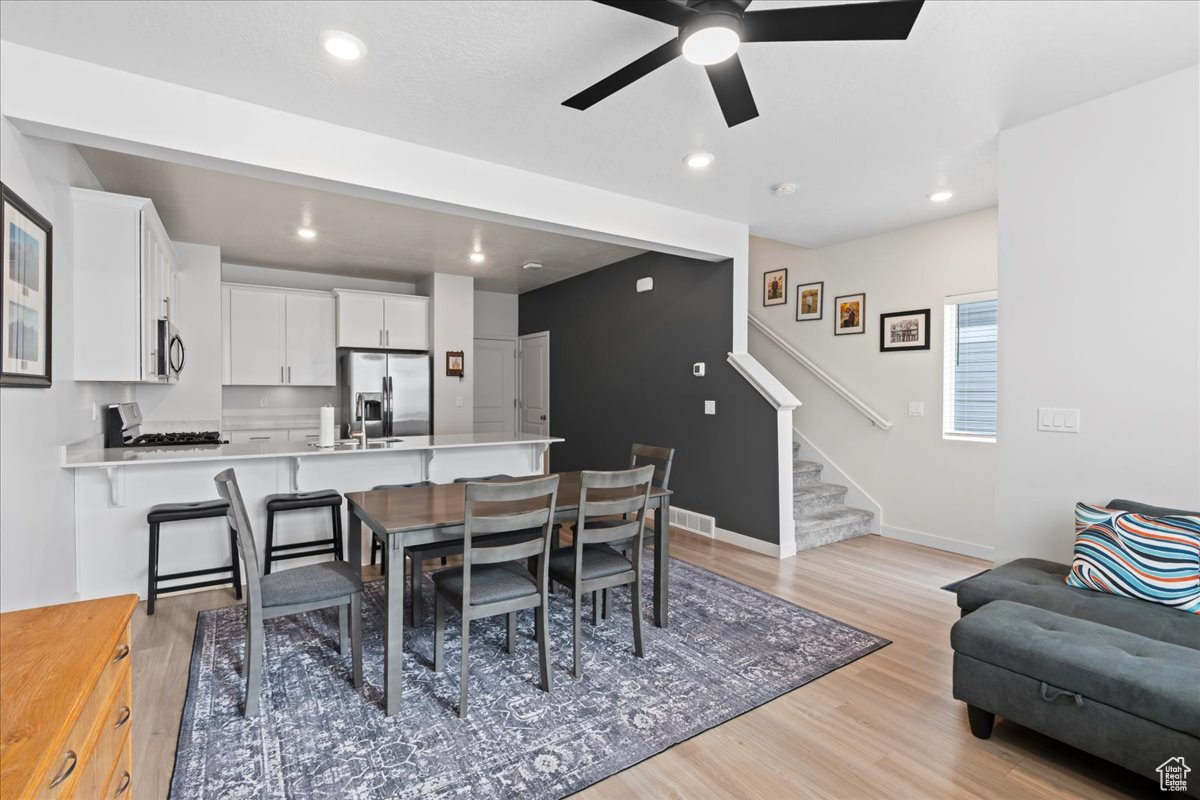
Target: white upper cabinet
column 125, row 283
column 406, row 322
column 391, row 321
column 311, row 357
column 278, row 337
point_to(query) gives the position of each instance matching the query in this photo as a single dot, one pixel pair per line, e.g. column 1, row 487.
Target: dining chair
column 640, row 454
column 494, row 578
column 591, row 564
column 294, row 591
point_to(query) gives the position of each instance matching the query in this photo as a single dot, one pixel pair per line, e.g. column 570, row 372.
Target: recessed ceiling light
column 340, row 44
column 531, row 265
column 941, row 195
column 711, row 38
column 700, row 160
column 306, row 233
column 784, row 189
column 477, row 258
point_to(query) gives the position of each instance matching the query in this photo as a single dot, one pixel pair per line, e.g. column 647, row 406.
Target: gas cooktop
column 186, row 438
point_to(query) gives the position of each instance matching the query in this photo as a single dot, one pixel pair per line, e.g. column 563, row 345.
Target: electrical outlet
column 95, row 411
column 262, row 402
column 710, row 406
column 458, row 401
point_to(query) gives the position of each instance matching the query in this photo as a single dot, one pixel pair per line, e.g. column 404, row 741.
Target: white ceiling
column 254, row 222
column 866, row 130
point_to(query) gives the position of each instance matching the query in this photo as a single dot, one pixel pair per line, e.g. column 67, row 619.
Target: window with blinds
column 969, row 378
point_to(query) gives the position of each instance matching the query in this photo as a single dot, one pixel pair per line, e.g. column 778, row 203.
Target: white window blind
column 969, row 376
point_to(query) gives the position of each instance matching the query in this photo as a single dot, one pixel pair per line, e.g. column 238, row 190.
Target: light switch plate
column 916, row 408
column 1058, row 420
column 710, row 406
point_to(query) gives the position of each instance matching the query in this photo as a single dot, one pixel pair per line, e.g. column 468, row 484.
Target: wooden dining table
column 426, row 514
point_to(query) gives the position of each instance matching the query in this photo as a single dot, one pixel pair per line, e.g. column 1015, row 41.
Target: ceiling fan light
column 711, row 45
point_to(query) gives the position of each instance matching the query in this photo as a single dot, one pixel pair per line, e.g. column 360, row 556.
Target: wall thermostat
column 698, row 369
column 645, row 284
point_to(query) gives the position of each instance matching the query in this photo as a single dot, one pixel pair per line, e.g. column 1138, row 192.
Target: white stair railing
column 875, row 418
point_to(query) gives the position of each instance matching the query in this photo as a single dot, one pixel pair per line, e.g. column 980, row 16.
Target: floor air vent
column 697, row 523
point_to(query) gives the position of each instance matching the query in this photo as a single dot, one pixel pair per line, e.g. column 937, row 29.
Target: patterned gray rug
column 729, row 649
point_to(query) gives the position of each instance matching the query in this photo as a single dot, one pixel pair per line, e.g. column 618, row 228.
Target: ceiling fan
column 710, row 32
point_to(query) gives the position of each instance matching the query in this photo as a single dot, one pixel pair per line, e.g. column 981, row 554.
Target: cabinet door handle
column 121, row 653
column 387, row 338
column 126, row 778
column 71, row 760
column 125, row 715
column 260, row 438
column 289, row 380
column 381, row 337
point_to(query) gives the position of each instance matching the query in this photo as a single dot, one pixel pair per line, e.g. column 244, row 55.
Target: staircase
column 821, row 516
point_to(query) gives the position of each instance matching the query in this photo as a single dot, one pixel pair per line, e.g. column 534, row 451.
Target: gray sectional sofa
column 1114, row 676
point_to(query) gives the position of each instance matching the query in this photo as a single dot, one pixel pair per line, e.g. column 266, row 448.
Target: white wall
column 495, row 315
column 1099, row 289
column 194, row 402
column 931, row 491
column 37, row 514
column 452, row 327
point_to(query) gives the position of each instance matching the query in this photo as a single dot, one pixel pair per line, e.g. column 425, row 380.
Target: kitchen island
column 114, row 489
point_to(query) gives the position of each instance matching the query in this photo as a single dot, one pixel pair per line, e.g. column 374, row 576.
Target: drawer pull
column 126, row 779
column 121, row 654
column 125, row 715
column 67, row 769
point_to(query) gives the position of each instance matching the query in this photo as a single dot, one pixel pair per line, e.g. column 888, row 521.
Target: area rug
column 729, row 648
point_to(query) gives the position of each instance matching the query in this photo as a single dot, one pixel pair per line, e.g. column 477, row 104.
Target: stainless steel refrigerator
column 396, row 390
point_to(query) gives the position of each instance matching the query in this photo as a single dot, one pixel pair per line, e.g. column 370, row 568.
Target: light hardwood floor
column 884, row 726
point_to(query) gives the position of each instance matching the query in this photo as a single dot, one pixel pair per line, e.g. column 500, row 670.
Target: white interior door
column 534, row 383
column 495, row 385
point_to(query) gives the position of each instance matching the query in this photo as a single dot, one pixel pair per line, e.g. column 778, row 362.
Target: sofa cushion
column 1150, row 679
column 1149, row 510
column 1042, row 584
column 1156, row 559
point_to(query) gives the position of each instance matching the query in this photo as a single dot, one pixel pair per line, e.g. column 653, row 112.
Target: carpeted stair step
column 817, row 497
column 816, row 528
column 805, row 473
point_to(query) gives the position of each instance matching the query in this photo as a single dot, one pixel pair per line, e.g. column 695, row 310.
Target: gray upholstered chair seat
column 599, row 561
column 310, row 584
column 490, row 583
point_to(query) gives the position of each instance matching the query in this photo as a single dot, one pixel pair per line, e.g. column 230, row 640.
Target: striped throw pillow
column 1135, row 555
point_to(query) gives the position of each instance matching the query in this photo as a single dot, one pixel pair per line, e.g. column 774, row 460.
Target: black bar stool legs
column 177, row 512
column 296, row 501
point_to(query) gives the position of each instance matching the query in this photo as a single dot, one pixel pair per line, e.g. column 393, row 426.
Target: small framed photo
column 775, row 288
column 850, row 314
column 810, row 298
column 904, row 330
column 25, row 306
column 455, row 364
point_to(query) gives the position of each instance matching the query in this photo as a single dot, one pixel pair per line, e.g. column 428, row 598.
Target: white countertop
column 82, row 456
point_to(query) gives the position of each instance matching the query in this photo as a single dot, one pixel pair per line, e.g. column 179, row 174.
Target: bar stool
column 177, row 512
column 297, row 501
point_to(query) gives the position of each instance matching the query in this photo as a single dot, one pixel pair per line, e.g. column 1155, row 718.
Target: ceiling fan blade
column 891, row 19
column 729, row 82
column 625, row 76
column 661, row 10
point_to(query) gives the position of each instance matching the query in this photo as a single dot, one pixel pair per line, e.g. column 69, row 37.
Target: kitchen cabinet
column 268, row 435
column 277, row 337
column 125, row 283
column 377, row 320
column 304, row 435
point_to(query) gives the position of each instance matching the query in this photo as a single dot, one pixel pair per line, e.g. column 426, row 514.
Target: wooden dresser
column 66, row 701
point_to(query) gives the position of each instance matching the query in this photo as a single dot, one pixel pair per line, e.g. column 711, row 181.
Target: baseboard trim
column 938, row 542
column 736, row 539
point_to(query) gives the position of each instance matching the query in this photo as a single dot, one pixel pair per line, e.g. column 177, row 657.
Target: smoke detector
column 784, row 189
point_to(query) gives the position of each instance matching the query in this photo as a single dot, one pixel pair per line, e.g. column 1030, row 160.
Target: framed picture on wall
column 904, row 330
column 25, row 307
column 775, row 288
column 850, row 314
column 455, row 366
column 810, row 298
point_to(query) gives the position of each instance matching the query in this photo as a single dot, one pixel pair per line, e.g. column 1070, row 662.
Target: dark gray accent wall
column 621, row 372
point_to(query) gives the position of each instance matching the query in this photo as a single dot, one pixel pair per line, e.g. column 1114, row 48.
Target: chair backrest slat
column 660, row 457
column 239, row 520
column 638, row 481
column 497, row 508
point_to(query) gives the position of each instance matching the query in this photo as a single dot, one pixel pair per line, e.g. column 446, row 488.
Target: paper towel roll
column 327, row 432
